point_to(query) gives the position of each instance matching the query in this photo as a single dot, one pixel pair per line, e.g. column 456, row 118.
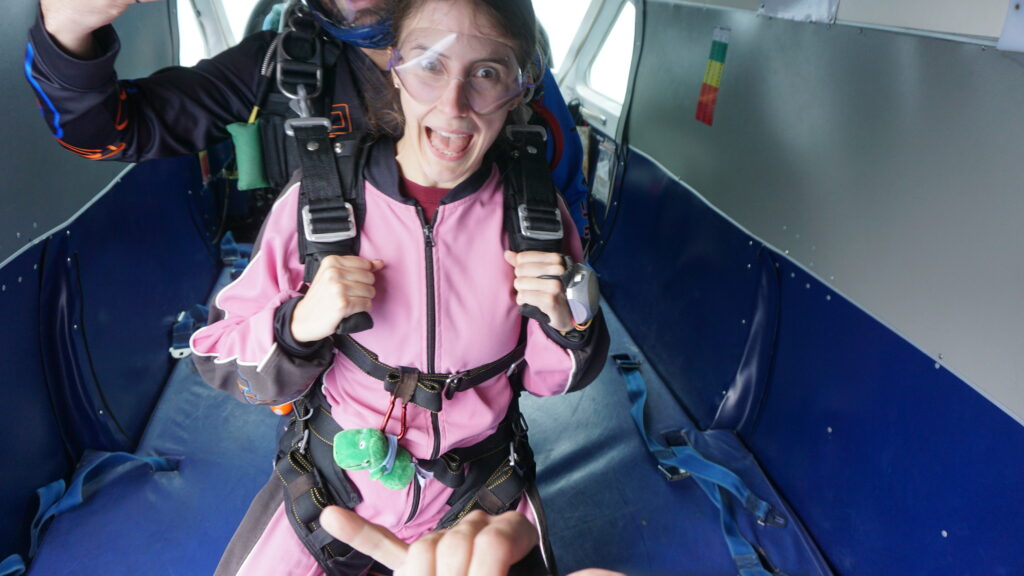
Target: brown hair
column 514, row 19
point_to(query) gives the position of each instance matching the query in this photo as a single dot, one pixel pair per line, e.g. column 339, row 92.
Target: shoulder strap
column 332, row 199
column 532, row 217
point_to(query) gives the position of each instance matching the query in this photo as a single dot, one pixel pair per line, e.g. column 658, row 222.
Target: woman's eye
column 431, row 66
column 488, row 73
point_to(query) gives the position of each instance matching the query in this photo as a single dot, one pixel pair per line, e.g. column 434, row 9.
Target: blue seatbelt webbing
column 712, row 478
column 13, row 565
column 54, row 499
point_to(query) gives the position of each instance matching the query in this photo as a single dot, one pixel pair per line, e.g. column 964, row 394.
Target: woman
column 434, row 269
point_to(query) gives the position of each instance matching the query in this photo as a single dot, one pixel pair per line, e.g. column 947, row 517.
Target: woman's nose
column 455, row 99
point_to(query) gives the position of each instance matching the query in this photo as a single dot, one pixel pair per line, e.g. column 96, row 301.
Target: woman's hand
column 343, row 286
column 547, row 294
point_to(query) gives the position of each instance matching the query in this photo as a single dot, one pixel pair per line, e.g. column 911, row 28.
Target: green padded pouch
column 248, row 155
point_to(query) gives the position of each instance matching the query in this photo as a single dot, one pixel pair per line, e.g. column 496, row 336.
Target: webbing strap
column 13, row 565
column 429, row 386
column 712, row 478
column 449, row 468
column 311, row 482
column 94, row 468
column 531, row 207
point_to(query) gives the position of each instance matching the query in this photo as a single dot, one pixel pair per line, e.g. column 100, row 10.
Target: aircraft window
column 191, row 47
column 609, row 73
column 238, row 12
column 561, row 20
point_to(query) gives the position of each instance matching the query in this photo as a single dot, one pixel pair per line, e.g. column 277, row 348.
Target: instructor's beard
column 344, row 15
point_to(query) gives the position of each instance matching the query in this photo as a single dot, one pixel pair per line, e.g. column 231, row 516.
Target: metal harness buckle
column 311, row 121
column 307, row 225
column 510, row 131
column 530, row 232
column 451, row 384
column 292, row 72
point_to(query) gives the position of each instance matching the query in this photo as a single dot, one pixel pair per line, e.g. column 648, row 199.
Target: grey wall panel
column 889, row 165
column 43, row 184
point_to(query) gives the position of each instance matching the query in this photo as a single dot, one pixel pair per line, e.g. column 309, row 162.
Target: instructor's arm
column 72, row 22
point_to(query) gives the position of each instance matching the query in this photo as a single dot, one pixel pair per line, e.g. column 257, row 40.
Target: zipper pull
column 428, row 228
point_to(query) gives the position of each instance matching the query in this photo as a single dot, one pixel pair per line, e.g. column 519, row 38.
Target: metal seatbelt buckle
column 772, row 518
column 326, row 237
column 535, row 233
column 673, row 473
column 626, row 361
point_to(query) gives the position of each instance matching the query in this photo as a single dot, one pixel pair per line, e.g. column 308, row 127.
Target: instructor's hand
column 343, row 286
column 479, row 545
column 72, row 22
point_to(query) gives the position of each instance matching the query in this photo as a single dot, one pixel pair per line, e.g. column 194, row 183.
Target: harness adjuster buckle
column 526, row 130
column 527, row 216
column 295, row 73
column 302, row 444
column 451, row 384
column 325, row 237
column 307, row 122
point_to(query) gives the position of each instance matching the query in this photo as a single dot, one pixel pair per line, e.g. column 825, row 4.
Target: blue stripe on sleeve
column 29, row 56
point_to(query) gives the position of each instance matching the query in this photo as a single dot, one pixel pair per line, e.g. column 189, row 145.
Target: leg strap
column 311, row 482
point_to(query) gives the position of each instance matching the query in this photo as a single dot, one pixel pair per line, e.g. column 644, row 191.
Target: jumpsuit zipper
column 428, row 237
column 428, row 242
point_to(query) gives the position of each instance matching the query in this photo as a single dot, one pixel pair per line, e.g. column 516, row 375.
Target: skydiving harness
column 491, row 475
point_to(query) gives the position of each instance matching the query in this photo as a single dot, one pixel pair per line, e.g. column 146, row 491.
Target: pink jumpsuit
column 444, row 303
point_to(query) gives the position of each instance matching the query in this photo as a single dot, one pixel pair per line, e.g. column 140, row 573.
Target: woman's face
column 458, row 80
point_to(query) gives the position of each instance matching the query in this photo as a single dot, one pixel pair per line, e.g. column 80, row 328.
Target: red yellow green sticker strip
column 713, row 76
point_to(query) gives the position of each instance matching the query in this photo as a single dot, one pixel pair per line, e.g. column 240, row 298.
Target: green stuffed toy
column 369, row 448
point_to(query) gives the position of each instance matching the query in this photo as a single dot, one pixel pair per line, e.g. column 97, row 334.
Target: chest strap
column 421, row 388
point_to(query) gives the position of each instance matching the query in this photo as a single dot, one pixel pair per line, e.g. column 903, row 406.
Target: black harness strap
column 450, row 468
column 430, row 387
column 532, row 218
column 491, row 475
column 497, row 480
column 311, row 482
column 327, row 214
column 331, row 202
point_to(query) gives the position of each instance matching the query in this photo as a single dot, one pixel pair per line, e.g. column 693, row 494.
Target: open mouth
column 449, row 145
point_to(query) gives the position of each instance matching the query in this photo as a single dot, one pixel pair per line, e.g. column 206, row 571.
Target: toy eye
column 362, row 445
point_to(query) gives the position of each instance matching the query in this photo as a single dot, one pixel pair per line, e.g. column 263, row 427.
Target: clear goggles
column 429, row 59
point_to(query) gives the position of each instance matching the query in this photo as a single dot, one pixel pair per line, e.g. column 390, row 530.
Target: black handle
column 531, row 311
column 355, row 323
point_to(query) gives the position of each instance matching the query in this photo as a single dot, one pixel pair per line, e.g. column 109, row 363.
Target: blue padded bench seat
column 177, row 522
column 607, row 503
